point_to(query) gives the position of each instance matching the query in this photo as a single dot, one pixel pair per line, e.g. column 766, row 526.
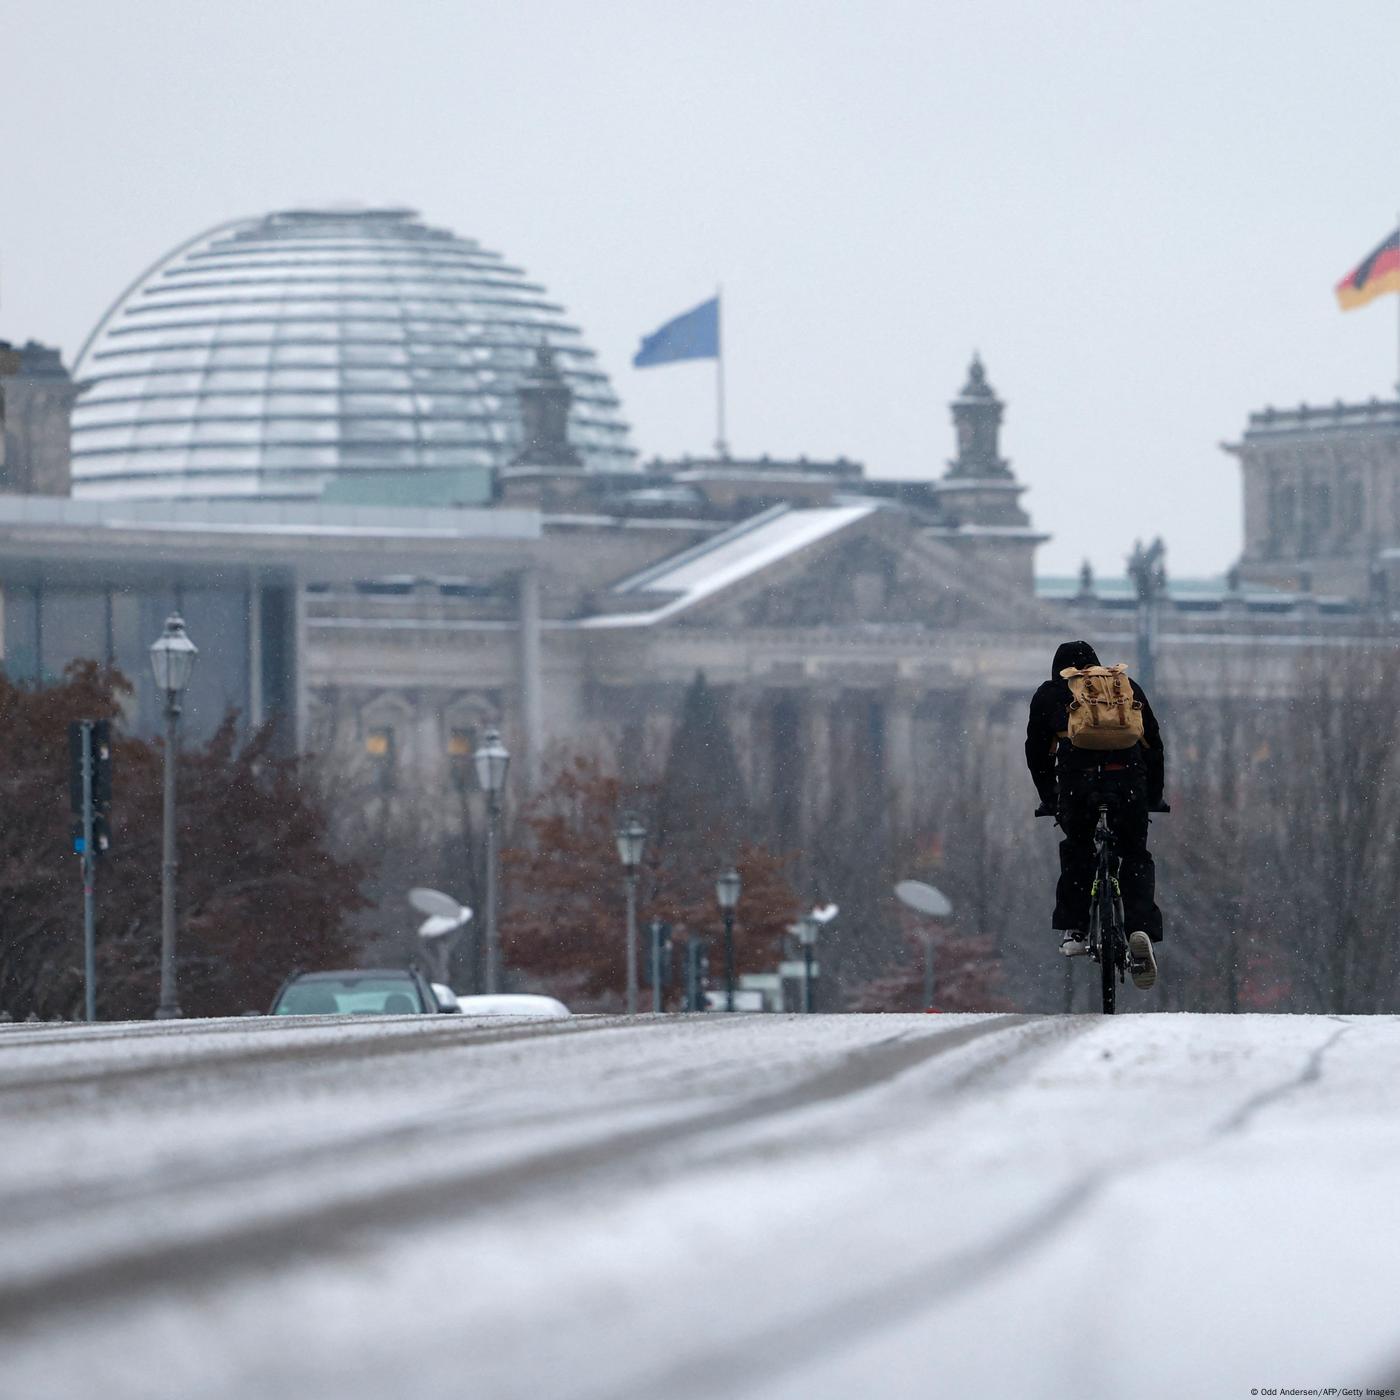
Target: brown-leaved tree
column 259, row 890
column 565, row 916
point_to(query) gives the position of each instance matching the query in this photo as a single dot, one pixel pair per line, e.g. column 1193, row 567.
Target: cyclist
column 1073, row 783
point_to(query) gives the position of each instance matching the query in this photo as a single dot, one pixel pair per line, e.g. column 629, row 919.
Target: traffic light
column 89, row 795
column 90, row 740
column 101, row 764
column 101, row 835
column 98, row 733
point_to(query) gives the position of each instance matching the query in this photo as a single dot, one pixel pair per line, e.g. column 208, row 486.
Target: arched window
column 382, row 752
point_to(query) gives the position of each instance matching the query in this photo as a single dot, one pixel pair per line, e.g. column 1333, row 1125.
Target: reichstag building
column 397, row 495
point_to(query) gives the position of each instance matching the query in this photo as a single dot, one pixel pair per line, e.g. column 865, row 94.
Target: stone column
column 817, row 757
column 900, row 776
column 741, row 729
column 429, row 741
column 787, row 766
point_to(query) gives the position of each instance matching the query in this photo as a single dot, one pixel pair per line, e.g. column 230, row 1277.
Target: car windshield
column 350, row 996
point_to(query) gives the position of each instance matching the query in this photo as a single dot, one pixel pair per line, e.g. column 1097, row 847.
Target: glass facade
column 47, row 626
column 274, row 355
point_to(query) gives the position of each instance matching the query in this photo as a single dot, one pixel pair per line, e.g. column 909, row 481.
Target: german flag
column 1374, row 276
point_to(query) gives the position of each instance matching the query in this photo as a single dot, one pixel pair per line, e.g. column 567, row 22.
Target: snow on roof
column 714, row 564
column 1118, row 588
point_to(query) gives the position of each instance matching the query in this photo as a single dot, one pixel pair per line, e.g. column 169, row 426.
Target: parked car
column 356, row 992
column 512, row 1004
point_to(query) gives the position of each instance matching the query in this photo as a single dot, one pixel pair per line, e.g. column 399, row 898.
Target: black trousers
column 1085, row 783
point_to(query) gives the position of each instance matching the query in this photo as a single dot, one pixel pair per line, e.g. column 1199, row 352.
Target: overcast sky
column 1135, row 211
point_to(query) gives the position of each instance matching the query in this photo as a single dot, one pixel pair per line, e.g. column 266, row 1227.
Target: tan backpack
column 1103, row 711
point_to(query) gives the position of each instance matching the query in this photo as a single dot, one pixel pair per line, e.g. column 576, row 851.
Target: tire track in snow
column 766, row 1353
column 416, row 1040
column 1310, row 1074
column 38, row 1205
column 1044, row 1034
column 332, row 1226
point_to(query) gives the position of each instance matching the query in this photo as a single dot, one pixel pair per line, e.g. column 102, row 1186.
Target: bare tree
column 1285, row 883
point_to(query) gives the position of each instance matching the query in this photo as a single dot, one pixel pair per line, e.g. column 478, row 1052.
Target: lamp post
column 807, row 930
column 446, row 919
column 727, row 892
column 172, row 662
column 932, row 904
column 631, row 837
column 492, row 763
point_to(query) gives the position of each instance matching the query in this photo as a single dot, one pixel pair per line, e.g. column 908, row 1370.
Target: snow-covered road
column 701, row 1207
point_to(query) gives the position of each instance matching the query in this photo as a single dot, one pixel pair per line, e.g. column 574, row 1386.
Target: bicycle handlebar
column 1157, row 809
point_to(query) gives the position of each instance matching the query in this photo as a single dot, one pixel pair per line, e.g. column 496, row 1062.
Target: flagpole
column 721, row 446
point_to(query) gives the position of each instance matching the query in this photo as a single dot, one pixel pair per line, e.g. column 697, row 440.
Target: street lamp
column 446, row 918
column 933, row 904
column 807, row 929
column 727, row 892
column 492, row 763
column 172, row 662
column 631, row 837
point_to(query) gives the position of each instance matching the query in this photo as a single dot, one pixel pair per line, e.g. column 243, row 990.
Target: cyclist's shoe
column 1073, row 944
column 1142, row 965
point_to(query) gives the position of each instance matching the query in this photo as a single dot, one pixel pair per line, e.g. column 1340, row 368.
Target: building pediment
column 891, row 573
column 867, row 579
column 850, row 566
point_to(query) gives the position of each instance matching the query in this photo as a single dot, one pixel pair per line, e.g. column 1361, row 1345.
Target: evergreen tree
column 702, row 805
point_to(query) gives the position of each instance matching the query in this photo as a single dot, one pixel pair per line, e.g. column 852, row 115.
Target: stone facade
column 37, row 402
column 1321, row 497
column 850, row 625
column 840, row 618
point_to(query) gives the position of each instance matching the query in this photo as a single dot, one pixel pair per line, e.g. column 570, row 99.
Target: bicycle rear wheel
column 1110, row 950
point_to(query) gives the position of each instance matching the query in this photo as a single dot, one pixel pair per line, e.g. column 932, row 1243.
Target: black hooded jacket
column 1050, row 717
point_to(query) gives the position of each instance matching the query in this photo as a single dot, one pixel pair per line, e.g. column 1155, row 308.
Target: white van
column 512, row 1004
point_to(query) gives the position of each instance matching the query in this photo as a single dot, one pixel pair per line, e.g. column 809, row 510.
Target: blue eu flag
column 693, row 336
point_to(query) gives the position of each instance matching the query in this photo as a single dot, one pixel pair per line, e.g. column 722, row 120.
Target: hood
column 1076, row 654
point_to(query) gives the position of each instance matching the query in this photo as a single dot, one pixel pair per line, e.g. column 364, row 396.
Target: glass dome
column 270, row 356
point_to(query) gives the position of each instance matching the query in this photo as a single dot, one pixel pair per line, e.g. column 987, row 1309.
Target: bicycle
column 1107, row 940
